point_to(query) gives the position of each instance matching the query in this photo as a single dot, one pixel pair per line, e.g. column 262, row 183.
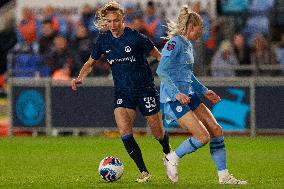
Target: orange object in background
column 61, row 74
column 4, row 130
column 4, row 126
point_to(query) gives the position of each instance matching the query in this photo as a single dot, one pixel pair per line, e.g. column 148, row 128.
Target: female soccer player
column 179, row 97
column 125, row 50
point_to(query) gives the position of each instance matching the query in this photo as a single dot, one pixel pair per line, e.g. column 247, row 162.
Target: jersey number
column 150, row 102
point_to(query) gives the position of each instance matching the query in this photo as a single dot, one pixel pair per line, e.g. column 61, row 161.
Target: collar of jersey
column 125, row 29
column 184, row 41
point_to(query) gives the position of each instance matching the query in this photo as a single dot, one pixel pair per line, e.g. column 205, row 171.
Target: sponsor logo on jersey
column 121, row 60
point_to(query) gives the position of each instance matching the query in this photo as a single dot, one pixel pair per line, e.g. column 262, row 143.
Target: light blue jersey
column 175, row 70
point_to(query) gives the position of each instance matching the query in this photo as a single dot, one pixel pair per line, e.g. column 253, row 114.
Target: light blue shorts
column 172, row 111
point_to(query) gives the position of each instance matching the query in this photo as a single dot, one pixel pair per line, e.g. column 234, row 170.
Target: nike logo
column 107, row 51
column 150, row 110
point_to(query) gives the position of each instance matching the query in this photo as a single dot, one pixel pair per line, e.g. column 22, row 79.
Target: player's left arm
column 200, row 89
column 155, row 53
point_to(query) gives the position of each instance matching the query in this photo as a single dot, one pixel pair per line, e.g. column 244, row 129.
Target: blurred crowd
column 53, row 45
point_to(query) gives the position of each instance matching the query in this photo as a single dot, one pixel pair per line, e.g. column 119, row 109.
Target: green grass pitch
column 72, row 162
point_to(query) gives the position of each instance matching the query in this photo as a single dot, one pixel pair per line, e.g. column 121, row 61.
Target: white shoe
column 230, row 179
column 171, row 169
column 144, row 177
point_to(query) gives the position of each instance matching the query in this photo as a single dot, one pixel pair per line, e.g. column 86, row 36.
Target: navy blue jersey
column 127, row 57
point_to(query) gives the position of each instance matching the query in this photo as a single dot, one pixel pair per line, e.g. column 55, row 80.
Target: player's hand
column 74, row 83
column 182, row 98
column 212, row 96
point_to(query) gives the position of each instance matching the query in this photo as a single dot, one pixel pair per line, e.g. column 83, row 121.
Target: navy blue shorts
column 174, row 110
column 147, row 101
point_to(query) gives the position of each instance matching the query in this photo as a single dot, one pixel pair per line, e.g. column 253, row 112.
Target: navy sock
column 165, row 143
column 134, row 152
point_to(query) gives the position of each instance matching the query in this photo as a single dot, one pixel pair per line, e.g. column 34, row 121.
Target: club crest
column 171, row 45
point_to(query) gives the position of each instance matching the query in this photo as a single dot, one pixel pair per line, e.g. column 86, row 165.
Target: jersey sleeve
column 171, row 48
column 145, row 43
column 169, row 54
column 198, row 87
column 165, row 77
column 97, row 49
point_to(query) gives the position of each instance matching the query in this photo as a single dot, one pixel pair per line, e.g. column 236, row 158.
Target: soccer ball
column 111, row 169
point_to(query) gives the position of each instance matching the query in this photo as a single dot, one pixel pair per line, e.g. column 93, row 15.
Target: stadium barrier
column 252, row 105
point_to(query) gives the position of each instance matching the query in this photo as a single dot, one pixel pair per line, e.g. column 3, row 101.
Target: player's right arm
column 86, row 69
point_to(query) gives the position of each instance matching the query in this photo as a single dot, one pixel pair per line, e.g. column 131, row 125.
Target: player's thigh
column 191, row 122
column 156, row 125
column 207, row 118
column 124, row 118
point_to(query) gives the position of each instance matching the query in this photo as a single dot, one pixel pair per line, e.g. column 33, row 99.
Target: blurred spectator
column 200, row 66
column 215, row 38
column 63, row 74
column 258, row 20
column 58, row 23
column 261, row 6
column 29, row 27
column 138, row 24
column 261, row 55
column 277, row 20
column 24, row 60
column 279, row 52
column 63, row 57
column 7, row 40
column 87, row 20
column 46, row 40
column 82, row 44
column 129, row 13
column 242, row 52
column 224, row 60
column 196, row 7
column 153, row 25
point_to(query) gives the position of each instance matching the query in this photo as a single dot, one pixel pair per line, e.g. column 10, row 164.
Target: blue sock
column 188, row 146
column 218, row 152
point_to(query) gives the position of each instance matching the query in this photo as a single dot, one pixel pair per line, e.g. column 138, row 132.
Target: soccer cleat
column 144, row 177
column 171, row 169
column 230, row 179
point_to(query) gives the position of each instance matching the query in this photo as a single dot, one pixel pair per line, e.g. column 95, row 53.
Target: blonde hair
column 185, row 17
column 109, row 7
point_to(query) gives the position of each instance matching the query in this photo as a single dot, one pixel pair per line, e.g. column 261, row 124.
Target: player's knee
column 217, row 130
column 204, row 138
